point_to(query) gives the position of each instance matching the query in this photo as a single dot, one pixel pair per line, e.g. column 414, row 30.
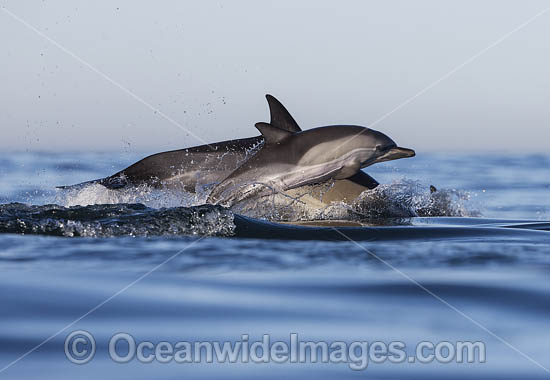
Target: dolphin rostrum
column 210, row 163
column 289, row 160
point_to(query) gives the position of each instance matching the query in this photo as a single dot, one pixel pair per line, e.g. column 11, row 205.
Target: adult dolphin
column 290, row 160
column 210, row 163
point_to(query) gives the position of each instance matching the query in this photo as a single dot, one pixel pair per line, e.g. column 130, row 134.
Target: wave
column 402, row 210
column 209, row 220
column 399, row 199
column 115, row 220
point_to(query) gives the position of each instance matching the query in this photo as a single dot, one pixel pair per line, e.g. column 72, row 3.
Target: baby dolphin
column 289, row 160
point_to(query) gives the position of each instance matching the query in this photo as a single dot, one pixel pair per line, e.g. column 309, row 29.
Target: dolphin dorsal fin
column 280, row 117
column 271, row 134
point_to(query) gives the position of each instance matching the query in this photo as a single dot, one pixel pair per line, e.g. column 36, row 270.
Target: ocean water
column 470, row 262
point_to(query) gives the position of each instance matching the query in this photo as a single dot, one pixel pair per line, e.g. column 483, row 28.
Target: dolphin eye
column 378, row 147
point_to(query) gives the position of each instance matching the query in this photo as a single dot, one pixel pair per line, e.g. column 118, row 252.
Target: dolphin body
column 185, row 169
column 290, row 160
column 188, row 168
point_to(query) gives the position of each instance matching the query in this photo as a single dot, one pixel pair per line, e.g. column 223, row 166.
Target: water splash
column 95, row 194
column 115, row 220
column 400, row 199
column 406, row 198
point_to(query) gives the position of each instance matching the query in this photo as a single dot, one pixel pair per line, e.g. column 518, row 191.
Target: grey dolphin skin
column 212, row 163
column 189, row 167
column 289, row 160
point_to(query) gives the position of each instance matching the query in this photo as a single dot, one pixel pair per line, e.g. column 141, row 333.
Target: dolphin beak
column 396, row 153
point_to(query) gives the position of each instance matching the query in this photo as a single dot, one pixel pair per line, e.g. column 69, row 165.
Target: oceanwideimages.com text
column 80, row 348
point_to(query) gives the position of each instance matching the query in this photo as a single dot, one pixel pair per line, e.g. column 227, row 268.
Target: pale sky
column 208, row 64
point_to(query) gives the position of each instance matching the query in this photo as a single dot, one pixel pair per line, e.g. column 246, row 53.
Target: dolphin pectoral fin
column 237, row 193
column 271, row 134
column 280, row 117
column 363, row 179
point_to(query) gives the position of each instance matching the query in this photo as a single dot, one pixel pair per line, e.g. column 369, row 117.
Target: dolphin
column 204, row 164
column 288, row 160
column 211, row 163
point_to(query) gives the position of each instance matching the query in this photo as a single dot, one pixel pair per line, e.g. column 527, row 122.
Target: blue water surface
column 188, row 272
